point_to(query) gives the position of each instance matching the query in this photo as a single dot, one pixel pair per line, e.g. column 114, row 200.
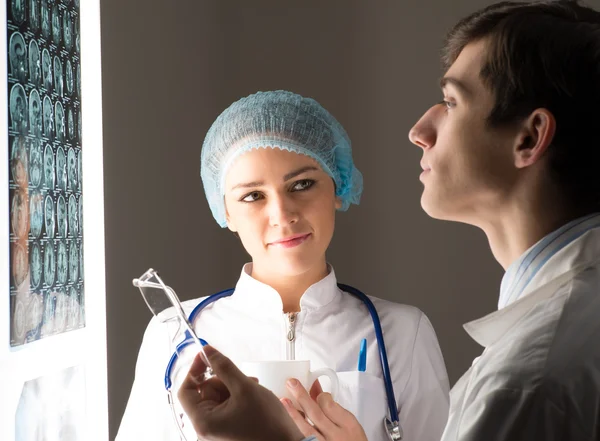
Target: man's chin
column 436, row 209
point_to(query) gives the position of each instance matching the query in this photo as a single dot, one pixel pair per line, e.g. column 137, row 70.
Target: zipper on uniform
column 291, row 335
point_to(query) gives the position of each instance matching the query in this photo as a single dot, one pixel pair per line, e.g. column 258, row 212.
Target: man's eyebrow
column 456, row 83
column 287, row 177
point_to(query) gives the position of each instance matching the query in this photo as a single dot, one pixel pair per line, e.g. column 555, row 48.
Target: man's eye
column 447, row 104
column 251, row 197
column 304, row 184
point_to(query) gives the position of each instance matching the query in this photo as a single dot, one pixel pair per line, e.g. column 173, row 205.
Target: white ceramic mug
column 274, row 374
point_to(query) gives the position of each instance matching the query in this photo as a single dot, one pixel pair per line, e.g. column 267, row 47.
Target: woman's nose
column 282, row 211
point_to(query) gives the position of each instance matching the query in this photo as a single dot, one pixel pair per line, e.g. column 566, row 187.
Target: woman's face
column 282, row 205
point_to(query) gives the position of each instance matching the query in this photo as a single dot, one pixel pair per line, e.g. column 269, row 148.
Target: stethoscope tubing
column 389, row 388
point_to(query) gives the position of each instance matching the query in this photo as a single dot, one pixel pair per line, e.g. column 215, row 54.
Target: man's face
column 468, row 166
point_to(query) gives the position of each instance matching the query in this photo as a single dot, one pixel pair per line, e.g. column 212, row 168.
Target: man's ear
column 534, row 138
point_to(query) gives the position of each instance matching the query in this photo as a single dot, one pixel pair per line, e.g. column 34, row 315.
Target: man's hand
column 231, row 406
column 331, row 421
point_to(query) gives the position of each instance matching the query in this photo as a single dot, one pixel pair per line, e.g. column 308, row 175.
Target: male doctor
column 514, row 149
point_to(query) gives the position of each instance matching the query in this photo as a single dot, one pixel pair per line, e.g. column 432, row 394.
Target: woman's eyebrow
column 295, row 173
column 248, row 185
column 287, row 177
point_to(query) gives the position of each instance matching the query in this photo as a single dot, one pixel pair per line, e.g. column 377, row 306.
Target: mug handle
column 314, row 375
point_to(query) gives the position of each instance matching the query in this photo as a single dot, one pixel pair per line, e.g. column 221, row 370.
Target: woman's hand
column 231, row 406
column 331, row 421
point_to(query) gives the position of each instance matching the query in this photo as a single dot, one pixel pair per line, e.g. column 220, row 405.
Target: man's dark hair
column 544, row 55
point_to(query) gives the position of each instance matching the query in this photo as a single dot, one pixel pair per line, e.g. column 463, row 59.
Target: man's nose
column 423, row 133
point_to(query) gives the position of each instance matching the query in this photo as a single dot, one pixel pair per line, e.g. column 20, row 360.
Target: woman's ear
column 231, row 226
column 338, row 202
column 230, row 223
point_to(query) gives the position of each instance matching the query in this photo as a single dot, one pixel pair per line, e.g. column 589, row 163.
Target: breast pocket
column 364, row 395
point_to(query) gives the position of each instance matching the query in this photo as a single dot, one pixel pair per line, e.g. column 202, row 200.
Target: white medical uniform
column 250, row 325
column 539, row 375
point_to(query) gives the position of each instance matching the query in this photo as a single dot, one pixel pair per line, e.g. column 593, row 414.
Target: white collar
column 258, row 297
column 578, row 255
column 523, row 270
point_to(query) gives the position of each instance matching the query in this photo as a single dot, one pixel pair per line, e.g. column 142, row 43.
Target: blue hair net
column 283, row 120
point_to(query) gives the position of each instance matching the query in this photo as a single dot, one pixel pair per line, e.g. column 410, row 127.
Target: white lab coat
column 250, row 325
column 539, row 375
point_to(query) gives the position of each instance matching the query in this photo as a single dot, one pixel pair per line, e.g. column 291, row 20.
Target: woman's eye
column 251, row 197
column 304, row 184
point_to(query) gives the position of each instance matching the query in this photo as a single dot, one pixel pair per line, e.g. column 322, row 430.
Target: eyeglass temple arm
column 145, row 284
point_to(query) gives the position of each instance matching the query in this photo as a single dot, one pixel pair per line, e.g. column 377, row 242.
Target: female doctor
column 275, row 168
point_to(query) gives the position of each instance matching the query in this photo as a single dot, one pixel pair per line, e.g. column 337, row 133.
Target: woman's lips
column 291, row 241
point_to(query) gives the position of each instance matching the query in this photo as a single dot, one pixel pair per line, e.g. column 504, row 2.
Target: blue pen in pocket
column 362, row 356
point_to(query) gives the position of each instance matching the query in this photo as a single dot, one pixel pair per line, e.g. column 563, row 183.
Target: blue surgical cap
column 283, row 120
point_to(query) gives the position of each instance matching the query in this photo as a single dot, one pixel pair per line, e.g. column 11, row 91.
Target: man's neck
column 518, row 228
column 290, row 287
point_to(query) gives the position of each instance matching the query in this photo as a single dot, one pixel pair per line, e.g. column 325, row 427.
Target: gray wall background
column 170, row 67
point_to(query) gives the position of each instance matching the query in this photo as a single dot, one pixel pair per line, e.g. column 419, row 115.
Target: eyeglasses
column 160, row 297
column 165, row 305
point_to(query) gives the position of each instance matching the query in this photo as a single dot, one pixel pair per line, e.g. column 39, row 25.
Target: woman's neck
column 290, row 287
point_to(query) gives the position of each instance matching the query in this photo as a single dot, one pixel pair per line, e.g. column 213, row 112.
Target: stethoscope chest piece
column 393, row 429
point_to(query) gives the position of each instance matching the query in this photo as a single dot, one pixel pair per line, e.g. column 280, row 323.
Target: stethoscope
column 391, row 422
